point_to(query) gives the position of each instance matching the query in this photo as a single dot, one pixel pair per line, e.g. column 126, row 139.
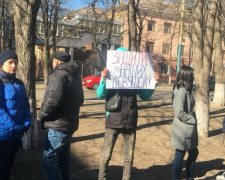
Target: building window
column 102, row 46
column 186, row 30
column 182, row 50
column 150, row 47
column 67, row 49
column 164, row 68
column 166, row 48
column 115, row 29
column 167, row 28
column 40, row 28
column 223, row 51
column 60, row 30
column 116, row 47
column 151, row 26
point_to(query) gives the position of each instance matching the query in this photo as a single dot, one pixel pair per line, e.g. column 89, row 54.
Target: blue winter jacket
column 15, row 118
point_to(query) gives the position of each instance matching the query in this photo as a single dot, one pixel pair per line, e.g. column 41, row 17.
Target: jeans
column 56, row 158
column 8, row 150
column 129, row 137
column 190, row 164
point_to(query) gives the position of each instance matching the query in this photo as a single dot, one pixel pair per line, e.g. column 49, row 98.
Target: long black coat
column 63, row 98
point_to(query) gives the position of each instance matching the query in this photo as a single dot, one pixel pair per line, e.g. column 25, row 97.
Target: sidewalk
column 153, row 154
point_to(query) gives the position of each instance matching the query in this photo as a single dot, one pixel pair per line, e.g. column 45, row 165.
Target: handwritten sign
column 130, row 70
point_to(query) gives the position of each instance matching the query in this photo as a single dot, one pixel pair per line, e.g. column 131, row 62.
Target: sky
column 76, row 4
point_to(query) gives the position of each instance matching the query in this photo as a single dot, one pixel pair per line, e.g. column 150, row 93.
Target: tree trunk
column 24, row 15
column 47, row 16
column 100, row 61
column 171, row 48
column 202, row 63
column 218, row 61
column 56, row 6
column 10, row 36
column 46, row 61
column 110, row 25
column 2, row 24
column 132, row 25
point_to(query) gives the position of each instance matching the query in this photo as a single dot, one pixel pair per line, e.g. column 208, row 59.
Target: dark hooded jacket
column 127, row 116
column 63, row 98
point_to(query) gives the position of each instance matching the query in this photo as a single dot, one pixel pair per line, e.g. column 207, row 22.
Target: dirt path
column 153, row 154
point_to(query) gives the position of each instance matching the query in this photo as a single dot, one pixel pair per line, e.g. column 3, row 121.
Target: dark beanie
column 62, row 56
column 7, row 54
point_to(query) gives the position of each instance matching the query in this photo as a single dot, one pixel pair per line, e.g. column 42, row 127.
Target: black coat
column 63, row 98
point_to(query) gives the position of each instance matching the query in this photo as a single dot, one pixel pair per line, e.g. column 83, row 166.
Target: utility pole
column 180, row 36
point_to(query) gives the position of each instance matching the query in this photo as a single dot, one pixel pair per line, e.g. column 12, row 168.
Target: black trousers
column 8, row 150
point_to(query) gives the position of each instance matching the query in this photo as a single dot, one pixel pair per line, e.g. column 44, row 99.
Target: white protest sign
column 130, row 70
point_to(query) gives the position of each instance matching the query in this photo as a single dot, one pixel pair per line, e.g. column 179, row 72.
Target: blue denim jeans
column 129, row 137
column 8, row 150
column 56, row 158
column 190, row 164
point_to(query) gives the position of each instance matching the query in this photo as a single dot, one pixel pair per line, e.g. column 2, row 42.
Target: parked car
column 211, row 83
column 92, row 82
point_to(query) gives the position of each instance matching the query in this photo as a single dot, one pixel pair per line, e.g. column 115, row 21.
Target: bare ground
column 153, row 154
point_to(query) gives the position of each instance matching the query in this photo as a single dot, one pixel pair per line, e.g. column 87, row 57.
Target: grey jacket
column 184, row 128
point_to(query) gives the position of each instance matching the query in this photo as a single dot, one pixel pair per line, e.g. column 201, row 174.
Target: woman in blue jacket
column 15, row 118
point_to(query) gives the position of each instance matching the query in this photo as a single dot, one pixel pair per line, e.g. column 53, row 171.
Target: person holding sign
column 121, row 117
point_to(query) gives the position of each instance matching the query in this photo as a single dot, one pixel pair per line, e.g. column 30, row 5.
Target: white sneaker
column 221, row 177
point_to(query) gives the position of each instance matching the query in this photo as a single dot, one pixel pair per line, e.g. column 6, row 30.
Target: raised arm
column 101, row 91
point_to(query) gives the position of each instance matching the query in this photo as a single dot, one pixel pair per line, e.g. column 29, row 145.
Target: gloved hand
column 18, row 129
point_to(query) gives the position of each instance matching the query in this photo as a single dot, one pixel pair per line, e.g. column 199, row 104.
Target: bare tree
column 171, row 49
column 202, row 57
column 110, row 23
column 2, row 24
column 24, row 15
column 132, row 25
column 218, row 60
column 7, row 30
column 50, row 16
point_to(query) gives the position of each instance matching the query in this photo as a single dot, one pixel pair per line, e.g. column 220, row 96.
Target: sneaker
column 221, row 177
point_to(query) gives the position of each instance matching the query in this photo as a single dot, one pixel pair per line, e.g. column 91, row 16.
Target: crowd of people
column 59, row 114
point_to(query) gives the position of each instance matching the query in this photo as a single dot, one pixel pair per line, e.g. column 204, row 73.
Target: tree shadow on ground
column 88, row 137
column 218, row 111
column 155, row 172
column 202, row 168
column 152, row 106
column 101, row 135
column 215, row 132
column 86, row 115
column 93, row 104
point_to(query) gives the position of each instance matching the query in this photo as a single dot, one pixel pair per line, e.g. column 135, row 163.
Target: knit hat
column 62, row 56
column 5, row 55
